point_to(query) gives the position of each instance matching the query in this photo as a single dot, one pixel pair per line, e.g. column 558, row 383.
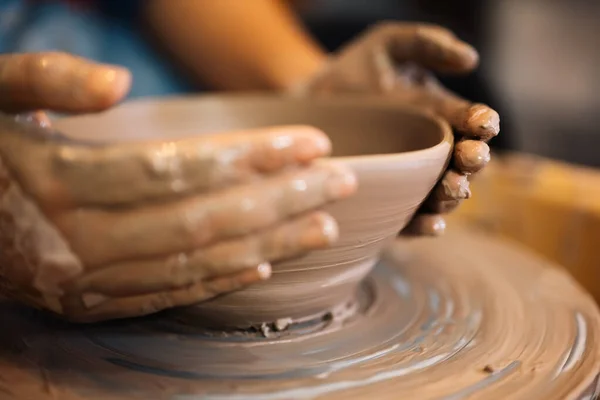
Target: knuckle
column 196, row 224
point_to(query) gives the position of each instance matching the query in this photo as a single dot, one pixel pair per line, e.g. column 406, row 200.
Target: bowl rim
column 444, row 142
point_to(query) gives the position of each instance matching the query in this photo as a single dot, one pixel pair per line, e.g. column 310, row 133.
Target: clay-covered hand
column 95, row 232
column 396, row 60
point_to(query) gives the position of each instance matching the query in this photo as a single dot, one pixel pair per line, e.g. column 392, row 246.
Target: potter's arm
column 236, row 45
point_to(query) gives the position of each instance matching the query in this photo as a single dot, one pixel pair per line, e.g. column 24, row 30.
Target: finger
column 103, row 236
column 470, row 156
column 476, row 121
column 291, row 239
column 91, row 176
column 97, row 307
column 452, row 189
column 425, row 225
column 432, row 47
column 59, row 82
column 452, row 186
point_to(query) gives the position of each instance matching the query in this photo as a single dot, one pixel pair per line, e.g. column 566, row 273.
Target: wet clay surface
column 436, row 320
column 397, row 156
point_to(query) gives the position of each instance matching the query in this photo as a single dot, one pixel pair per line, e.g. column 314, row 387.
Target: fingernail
column 454, row 186
column 264, row 271
column 114, row 74
column 322, row 231
column 312, row 146
column 483, row 122
column 471, row 156
column 341, row 183
column 109, row 84
column 322, row 143
column 330, row 229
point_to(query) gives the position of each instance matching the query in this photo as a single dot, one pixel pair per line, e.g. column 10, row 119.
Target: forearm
column 236, row 45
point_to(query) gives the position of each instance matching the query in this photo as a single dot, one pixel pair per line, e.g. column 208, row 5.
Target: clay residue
column 442, row 320
column 327, row 321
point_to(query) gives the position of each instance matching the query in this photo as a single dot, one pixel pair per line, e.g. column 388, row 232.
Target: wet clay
column 158, row 204
column 457, row 317
column 397, row 155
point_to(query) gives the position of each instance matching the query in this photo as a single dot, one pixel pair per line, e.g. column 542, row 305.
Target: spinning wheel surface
column 459, row 317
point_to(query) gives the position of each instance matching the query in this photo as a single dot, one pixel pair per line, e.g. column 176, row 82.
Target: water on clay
column 444, row 324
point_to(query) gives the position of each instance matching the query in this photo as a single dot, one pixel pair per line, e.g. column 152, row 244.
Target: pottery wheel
column 463, row 316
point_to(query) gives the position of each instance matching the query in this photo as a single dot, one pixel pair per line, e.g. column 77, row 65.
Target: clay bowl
column 398, row 155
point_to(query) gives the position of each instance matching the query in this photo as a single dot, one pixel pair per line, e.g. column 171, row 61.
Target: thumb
column 429, row 46
column 59, row 82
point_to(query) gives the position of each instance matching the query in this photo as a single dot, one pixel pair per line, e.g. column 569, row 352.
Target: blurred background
column 539, row 62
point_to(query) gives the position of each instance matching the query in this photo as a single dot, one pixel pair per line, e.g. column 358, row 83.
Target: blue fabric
column 108, row 34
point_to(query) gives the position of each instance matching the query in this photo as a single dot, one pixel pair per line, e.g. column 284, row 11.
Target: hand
column 395, row 60
column 112, row 231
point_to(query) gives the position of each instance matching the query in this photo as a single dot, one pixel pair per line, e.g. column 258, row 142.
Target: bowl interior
column 355, row 126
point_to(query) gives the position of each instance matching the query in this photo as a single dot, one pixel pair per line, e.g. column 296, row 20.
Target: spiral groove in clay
column 453, row 318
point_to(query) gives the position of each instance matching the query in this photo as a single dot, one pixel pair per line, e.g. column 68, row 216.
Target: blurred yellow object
column 549, row 206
